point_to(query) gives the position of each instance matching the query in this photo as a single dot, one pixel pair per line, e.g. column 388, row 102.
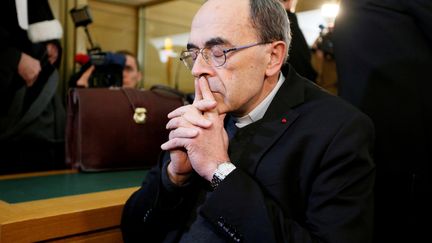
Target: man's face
column 131, row 74
column 238, row 86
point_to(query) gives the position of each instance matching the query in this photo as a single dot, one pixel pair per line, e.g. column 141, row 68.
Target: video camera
column 109, row 66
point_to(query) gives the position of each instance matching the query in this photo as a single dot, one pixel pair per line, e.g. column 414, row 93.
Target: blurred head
column 253, row 34
column 131, row 72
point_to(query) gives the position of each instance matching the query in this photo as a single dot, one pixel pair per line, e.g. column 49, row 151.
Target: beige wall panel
column 176, row 12
column 167, row 20
column 56, row 7
column 114, row 26
column 305, row 5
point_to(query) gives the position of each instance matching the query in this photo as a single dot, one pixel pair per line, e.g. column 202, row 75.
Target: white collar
column 259, row 111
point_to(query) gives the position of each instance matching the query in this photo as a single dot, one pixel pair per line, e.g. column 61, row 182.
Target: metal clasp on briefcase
column 140, row 115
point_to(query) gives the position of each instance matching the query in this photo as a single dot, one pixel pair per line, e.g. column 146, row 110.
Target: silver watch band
column 222, row 171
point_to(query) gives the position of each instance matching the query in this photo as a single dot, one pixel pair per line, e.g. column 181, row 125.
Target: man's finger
column 191, row 115
column 178, row 112
column 188, row 121
column 205, row 105
column 183, row 132
column 175, row 143
column 198, row 94
column 205, row 89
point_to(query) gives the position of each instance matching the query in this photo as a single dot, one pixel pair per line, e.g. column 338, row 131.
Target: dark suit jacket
column 308, row 179
column 383, row 51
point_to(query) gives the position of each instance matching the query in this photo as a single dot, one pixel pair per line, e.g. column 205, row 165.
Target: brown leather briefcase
column 112, row 129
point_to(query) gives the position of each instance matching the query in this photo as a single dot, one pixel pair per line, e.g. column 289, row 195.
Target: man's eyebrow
column 191, row 46
column 216, row 41
column 212, row 42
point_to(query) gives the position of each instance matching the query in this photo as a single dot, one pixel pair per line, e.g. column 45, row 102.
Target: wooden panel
column 108, row 236
column 168, row 20
column 62, row 217
column 41, row 173
column 136, row 2
column 114, row 27
column 6, row 213
column 305, row 5
column 178, row 13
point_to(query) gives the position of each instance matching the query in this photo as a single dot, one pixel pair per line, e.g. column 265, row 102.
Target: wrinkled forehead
column 224, row 19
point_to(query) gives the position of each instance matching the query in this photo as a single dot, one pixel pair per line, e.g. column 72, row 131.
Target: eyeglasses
column 214, row 55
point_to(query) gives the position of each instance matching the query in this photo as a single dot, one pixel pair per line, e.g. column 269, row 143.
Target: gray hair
column 270, row 20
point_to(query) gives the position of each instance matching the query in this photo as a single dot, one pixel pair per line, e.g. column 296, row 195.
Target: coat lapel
column 276, row 121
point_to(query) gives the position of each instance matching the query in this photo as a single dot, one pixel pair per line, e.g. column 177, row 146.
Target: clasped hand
column 197, row 140
column 29, row 67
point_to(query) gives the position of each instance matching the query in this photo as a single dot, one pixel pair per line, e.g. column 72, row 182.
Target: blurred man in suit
column 383, row 53
column 299, row 52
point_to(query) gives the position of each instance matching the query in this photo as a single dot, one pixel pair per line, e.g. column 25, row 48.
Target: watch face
column 225, row 168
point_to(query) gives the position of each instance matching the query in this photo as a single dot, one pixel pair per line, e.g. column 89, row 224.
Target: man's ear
column 277, row 55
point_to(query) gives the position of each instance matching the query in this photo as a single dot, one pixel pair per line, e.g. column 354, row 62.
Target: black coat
column 306, row 175
column 299, row 51
column 31, row 118
column 383, row 51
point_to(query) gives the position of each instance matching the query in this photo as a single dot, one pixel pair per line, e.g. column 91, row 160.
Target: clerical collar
column 259, row 111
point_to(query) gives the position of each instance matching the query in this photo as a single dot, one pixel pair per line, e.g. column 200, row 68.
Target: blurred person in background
column 383, row 52
column 32, row 115
column 131, row 75
column 299, row 52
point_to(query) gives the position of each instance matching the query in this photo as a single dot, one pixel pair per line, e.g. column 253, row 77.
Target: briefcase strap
column 140, row 113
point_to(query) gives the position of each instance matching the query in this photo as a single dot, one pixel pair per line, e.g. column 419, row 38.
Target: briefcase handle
column 139, row 113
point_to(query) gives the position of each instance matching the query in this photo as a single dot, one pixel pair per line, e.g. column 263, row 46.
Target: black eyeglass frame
column 187, row 54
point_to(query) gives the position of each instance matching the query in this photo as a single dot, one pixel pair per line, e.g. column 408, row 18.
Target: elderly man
column 299, row 167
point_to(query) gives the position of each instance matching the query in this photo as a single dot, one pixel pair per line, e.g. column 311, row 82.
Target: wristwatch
column 222, row 171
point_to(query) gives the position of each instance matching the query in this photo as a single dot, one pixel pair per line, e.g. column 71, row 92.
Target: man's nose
column 201, row 67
